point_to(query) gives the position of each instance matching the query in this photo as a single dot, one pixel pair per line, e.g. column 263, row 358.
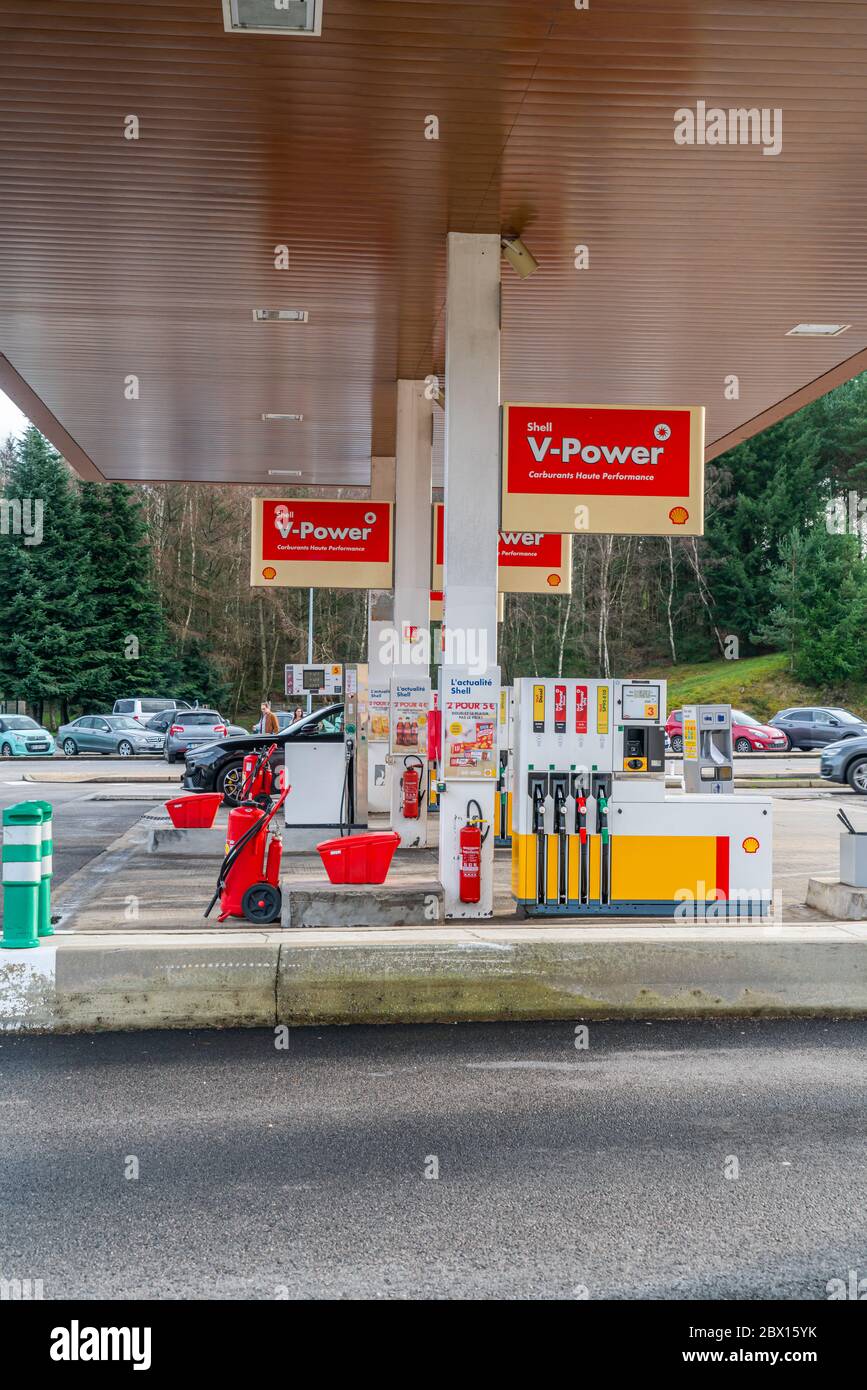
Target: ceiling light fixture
column 280, row 315
column 291, row 18
column 284, row 472
column 519, row 258
column 817, row 330
column 273, row 416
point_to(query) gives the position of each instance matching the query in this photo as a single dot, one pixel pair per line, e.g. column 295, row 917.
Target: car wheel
column 677, row 743
column 230, row 781
column 6, row 750
column 856, row 776
column 124, row 749
column 70, row 748
column 743, row 745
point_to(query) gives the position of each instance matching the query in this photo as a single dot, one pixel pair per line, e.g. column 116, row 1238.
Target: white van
column 142, row 708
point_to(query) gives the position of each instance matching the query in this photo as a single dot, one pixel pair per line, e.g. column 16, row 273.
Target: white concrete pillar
column 472, row 483
column 412, row 570
column 380, row 621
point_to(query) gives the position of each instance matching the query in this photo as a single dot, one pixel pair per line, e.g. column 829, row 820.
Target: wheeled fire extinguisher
column 248, row 884
column 470, row 841
column 411, row 792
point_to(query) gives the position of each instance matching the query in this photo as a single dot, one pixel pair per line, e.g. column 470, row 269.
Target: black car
column 218, row 767
column 816, row 726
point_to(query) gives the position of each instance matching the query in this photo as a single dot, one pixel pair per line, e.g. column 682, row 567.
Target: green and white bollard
column 44, row 927
column 22, row 874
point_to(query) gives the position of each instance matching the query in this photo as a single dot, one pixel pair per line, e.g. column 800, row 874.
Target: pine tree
column 129, row 626
column 46, row 649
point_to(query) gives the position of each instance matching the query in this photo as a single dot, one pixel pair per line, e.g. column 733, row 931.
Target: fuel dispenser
column 707, row 749
column 505, row 744
column 328, row 769
column 594, row 832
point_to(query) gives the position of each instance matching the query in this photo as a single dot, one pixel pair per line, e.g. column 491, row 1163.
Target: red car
column 748, row 735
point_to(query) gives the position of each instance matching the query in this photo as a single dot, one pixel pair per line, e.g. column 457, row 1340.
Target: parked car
column 748, row 735
column 107, row 733
column 159, row 723
column 813, row 726
column 139, row 708
column 191, row 729
column 219, row 767
column 22, row 737
column 846, row 761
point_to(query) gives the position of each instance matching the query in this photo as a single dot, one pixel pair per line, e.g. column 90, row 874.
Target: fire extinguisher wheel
column 262, row 903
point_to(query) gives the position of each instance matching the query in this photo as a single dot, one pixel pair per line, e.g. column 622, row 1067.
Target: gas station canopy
column 154, row 164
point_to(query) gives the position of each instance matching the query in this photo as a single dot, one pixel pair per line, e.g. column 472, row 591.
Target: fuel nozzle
column 538, row 809
column 559, row 808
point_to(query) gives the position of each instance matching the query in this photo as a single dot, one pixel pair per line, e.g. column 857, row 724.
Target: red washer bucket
column 359, row 858
column 194, row 812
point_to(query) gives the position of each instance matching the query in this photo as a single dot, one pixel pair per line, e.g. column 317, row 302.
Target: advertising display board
column 408, row 722
column 528, row 562
column 378, row 705
column 305, row 543
column 611, row 469
column 471, row 707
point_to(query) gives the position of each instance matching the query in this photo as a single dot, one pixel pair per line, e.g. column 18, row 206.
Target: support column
column 412, row 570
column 472, row 483
column 380, row 621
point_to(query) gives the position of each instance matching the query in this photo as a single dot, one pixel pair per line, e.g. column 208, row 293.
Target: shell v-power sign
column 614, row 469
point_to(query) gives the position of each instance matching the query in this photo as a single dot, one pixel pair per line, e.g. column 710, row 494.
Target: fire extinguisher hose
column 478, row 817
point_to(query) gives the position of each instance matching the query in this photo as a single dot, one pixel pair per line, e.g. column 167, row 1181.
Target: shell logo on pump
column 750, row 845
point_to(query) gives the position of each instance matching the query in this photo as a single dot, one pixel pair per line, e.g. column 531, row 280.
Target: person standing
column 269, row 723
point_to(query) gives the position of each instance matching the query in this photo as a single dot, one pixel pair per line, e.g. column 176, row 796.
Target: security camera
column 519, row 258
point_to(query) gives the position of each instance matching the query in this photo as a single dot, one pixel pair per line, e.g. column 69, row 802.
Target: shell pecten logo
column 269, row 572
column 554, row 581
column 678, row 515
column 750, row 845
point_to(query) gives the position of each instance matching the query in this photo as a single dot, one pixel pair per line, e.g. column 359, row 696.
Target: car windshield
column 122, row 721
column 845, row 717
column 738, row 717
column 19, row 721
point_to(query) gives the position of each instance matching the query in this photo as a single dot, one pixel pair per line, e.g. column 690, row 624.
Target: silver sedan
column 117, row 734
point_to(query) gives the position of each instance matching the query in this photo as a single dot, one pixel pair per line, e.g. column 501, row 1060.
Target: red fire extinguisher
column 470, row 841
column 410, row 784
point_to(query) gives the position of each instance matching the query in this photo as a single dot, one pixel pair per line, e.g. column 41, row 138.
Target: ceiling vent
column 290, row 17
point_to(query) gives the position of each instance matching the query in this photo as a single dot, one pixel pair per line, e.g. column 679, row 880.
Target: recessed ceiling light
column 282, row 417
column 817, row 330
column 295, row 18
column 280, row 315
column 284, row 472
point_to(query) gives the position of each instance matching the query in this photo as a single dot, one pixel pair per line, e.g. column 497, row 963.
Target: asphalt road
column 301, row 1172
column 87, row 816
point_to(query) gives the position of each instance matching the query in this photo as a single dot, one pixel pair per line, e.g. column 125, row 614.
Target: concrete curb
column 91, row 982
